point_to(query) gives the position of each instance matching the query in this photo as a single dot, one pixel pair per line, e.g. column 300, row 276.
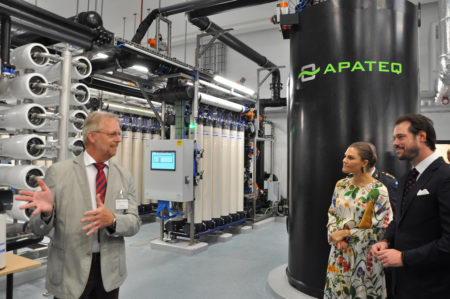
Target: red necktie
column 100, row 181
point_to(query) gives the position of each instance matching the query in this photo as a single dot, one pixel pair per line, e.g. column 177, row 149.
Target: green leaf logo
column 308, row 73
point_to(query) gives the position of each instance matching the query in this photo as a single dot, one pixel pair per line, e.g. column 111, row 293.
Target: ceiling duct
column 197, row 11
column 49, row 28
column 444, row 29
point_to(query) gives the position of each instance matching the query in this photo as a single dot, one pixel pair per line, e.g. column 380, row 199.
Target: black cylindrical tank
column 353, row 72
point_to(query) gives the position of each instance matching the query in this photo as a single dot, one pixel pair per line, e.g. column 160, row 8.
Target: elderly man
column 89, row 203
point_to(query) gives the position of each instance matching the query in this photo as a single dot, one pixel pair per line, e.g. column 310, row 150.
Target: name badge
column 122, row 204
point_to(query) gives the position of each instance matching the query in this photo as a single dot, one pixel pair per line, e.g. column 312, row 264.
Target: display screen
column 163, row 160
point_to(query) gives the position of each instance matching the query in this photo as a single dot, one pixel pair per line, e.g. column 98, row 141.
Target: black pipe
column 6, row 41
column 199, row 8
column 212, row 10
column 47, row 24
column 174, row 94
column 168, row 11
column 206, row 25
column 270, row 103
column 143, row 27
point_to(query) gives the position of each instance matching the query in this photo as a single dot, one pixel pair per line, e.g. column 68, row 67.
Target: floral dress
column 354, row 272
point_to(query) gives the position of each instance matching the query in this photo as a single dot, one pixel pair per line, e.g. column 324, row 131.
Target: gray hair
column 92, row 122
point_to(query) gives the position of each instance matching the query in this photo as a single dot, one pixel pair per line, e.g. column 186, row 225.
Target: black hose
column 143, row 27
column 204, row 24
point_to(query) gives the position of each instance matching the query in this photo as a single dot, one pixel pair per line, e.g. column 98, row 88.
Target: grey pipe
column 66, row 85
column 110, row 106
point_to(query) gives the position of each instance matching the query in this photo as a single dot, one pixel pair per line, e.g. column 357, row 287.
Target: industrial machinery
column 190, row 138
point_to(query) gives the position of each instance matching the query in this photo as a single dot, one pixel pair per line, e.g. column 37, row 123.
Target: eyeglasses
column 111, row 135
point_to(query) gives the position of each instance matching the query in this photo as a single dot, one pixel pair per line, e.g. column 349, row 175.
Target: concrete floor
column 235, row 269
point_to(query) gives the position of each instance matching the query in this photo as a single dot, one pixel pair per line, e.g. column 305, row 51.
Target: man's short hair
column 92, row 122
column 419, row 123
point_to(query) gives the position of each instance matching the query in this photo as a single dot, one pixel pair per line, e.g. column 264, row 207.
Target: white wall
column 441, row 124
column 251, row 25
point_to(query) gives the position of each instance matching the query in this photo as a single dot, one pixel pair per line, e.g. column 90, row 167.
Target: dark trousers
column 94, row 287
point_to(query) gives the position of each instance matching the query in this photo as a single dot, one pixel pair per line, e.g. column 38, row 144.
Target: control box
column 169, row 170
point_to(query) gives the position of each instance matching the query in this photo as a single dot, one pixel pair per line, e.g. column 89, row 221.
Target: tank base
column 302, row 287
column 280, row 287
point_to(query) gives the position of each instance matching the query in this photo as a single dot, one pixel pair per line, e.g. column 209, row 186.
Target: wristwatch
column 112, row 227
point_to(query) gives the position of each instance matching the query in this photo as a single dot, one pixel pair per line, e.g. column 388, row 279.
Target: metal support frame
column 169, row 33
column 256, row 138
column 198, row 54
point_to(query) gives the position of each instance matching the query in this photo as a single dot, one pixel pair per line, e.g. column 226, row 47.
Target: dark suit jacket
column 421, row 231
column 391, row 184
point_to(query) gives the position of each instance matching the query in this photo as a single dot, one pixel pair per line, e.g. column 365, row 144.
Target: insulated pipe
column 198, row 191
column 79, row 96
column 65, row 75
column 17, row 213
column 444, row 73
column 146, row 136
column 204, row 24
column 76, row 119
column 27, row 116
column 216, row 170
column 29, row 86
column 207, row 10
column 81, row 68
column 207, row 170
column 109, row 106
column 30, row 56
column 48, row 24
column 75, row 146
column 199, row 7
column 224, row 104
column 22, row 147
column 136, row 160
column 6, row 41
column 225, row 168
column 106, row 95
column 241, row 169
column 233, row 169
column 20, row 176
column 127, row 144
column 444, row 27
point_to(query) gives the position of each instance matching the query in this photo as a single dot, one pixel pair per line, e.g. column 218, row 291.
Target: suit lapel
column 422, row 181
column 81, row 175
column 113, row 176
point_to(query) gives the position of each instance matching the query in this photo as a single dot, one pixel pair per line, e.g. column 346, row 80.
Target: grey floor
column 235, row 269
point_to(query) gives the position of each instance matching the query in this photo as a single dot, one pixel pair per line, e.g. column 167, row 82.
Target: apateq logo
column 310, row 71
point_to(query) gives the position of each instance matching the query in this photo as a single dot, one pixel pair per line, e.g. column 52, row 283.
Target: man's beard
column 409, row 153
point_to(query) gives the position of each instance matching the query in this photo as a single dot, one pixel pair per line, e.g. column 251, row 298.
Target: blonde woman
column 357, row 218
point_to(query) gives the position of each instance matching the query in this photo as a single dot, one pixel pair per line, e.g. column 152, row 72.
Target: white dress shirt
column 423, row 165
column 91, row 172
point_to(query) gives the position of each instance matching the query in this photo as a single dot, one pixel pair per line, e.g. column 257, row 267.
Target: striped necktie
column 100, row 181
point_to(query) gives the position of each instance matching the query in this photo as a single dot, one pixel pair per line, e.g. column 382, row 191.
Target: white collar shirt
column 91, row 172
column 423, row 165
